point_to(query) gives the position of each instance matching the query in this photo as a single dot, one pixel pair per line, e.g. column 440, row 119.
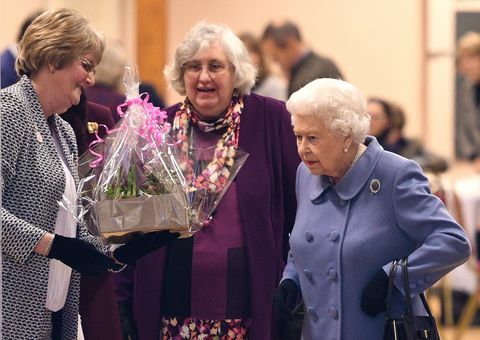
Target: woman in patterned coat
column 40, row 295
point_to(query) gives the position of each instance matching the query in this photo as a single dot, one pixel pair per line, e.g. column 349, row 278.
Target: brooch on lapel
column 92, row 127
column 374, row 186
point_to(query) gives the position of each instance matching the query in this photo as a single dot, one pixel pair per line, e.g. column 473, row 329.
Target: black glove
column 284, row 300
column 81, row 256
column 143, row 244
column 375, row 293
column 129, row 330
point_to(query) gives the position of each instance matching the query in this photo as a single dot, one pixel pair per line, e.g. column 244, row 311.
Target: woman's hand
column 143, row 244
column 375, row 293
column 81, row 256
column 284, row 299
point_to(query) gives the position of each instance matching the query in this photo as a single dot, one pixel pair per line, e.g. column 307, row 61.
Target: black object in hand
column 284, row 299
column 143, row 244
column 375, row 293
column 80, row 255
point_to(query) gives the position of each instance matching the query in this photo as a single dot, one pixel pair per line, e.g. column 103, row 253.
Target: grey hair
column 112, row 67
column 340, row 105
column 201, row 37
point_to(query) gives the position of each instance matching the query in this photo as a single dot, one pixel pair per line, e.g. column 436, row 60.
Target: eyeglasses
column 87, row 66
column 194, row 68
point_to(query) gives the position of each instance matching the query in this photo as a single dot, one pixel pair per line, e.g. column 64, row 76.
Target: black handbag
column 408, row 326
column 292, row 329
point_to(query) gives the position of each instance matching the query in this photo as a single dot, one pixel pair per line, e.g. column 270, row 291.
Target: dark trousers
column 57, row 325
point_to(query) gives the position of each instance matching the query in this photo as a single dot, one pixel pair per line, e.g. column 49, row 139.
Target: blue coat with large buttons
column 344, row 234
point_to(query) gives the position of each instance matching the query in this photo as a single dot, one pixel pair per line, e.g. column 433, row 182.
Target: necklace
column 360, row 151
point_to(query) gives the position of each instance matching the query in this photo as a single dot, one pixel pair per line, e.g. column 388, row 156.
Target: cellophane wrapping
column 138, row 184
column 136, row 179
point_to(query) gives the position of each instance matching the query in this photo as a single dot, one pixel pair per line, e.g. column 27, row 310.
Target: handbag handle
column 407, row 293
column 391, row 278
column 406, row 289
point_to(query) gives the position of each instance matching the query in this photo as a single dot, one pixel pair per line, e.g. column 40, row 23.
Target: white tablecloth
column 462, row 186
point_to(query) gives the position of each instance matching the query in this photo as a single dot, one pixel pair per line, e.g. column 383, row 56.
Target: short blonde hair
column 57, row 37
column 469, row 44
column 201, row 37
column 340, row 105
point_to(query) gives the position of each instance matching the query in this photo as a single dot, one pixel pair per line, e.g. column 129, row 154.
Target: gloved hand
column 143, row 244
column 81, row 256
column 129, row 330
column 375, row 293
column 284, row 299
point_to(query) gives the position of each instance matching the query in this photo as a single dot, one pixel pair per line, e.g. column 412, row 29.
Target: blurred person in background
column 387, row 123
column 86, row 119
column 468, row 115
column 267, row 83
column 8, row 75
column 219, row 282
column 109, row 89
column 283, row 43
column 44, row 250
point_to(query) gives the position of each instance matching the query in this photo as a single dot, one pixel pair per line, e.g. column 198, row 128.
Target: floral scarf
column 216, row 174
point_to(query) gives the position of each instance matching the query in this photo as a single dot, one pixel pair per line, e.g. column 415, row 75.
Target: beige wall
column 376, row 43
column 115, row 18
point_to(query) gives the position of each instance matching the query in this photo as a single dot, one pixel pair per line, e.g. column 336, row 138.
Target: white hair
column 201, row 37
column 340, row 105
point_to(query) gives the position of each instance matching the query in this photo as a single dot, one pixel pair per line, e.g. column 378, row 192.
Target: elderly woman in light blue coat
column 359, row 208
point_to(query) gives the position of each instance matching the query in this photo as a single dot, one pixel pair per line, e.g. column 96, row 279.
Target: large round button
column 308, row 274
column 333, row 312
column 312, row 313
column 332, row 274
column 308, row 237
column 333, row 236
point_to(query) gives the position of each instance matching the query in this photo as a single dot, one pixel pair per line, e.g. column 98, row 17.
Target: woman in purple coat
column 359, row 208
column 220, row 281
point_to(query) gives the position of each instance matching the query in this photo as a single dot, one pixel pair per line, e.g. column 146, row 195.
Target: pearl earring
column 345, row 149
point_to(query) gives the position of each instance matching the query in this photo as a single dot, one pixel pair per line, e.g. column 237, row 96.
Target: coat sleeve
column 19, row 237
column 441, row 244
